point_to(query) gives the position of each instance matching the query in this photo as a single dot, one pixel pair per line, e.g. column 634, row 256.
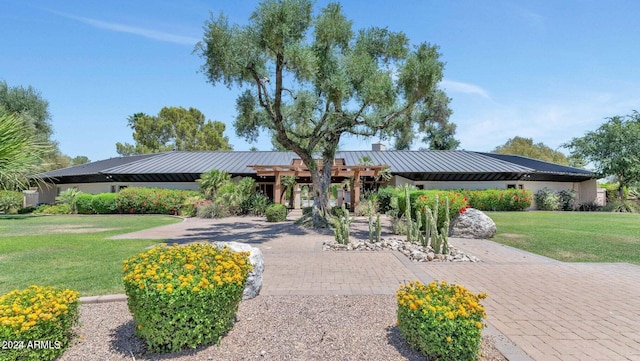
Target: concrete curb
column 103, row 299
column 507, row 348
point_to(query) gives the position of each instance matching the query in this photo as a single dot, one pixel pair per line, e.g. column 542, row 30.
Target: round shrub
column 104, row 203
column 42, row 314
column 83, row 203
column 547, row 200
column 276, row 213
column 440, row 320
column 184, row 296
column 10, row 201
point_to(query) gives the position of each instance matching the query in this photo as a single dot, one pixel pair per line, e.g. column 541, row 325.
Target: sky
column 548, row 70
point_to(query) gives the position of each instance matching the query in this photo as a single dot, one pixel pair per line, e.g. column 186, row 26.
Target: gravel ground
column 267, row 328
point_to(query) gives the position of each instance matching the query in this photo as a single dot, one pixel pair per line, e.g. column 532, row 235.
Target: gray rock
column 472, row 224
column 254, row 280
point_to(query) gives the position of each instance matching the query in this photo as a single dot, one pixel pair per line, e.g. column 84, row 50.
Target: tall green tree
column 28, row 105
column 432, row 126
column 20, row 152
column 613, row 149
column 310, row 79
column 174, row 128
column 527, row 148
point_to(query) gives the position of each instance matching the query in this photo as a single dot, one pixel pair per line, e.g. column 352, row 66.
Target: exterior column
column 277, row 189
column 355, row 191
column 296, row 197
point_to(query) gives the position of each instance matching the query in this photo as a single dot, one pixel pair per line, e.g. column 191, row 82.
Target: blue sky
column 549, row 70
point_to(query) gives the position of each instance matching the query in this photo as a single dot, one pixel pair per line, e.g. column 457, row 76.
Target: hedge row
column 484, row 200
column 499, row 199
column 140, row 201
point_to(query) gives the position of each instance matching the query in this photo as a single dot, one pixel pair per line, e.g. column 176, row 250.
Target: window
column 113, row 189
column 122, row 187
column 511, row 186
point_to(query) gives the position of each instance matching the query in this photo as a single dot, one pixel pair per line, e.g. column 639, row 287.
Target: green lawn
column 572, row 236
column 70, row 251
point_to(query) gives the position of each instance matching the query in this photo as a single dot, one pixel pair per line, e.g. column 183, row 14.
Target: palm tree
column 20, row 152
column 211, row 181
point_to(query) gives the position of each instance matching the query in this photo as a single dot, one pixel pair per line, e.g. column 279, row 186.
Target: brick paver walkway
column 550, row 309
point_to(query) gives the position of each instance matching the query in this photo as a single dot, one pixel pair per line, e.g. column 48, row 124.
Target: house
column 426, row 169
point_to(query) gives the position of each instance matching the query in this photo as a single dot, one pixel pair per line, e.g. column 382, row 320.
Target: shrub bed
column 36, row 323
column 441, row 321
column 276, row 213
column 422, row 198
column 184, row 296
column 10, row 201
column 83, row 203
column 499, row 200
column 152, row 200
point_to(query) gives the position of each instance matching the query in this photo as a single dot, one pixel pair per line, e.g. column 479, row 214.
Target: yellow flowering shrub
column 184, row 296
column 36, row 323
column 442, row 321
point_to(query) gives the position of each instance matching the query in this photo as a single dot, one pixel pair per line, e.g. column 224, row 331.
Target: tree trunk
column 321, row 181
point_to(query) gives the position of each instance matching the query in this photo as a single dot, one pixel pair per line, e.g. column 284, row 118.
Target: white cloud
column 121, row 28
column 466, row 88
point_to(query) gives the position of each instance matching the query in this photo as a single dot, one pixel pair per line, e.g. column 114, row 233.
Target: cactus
column 438, row 240
column 341, row 231
column 378, row 228
column 411, row 234
column 371, row 224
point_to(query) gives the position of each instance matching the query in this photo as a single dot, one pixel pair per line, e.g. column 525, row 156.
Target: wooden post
column 355, row 190
column 277, row 189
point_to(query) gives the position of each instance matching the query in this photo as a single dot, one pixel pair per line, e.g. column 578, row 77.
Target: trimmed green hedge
column 153, row 200
column 499, row 199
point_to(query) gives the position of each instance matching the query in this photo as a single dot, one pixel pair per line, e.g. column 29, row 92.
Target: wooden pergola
column 298, row 169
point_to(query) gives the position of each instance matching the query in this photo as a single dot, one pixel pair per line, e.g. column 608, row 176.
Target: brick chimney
column 378, row 147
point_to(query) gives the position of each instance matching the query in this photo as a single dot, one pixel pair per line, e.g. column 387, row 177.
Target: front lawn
column 70, row 251
column 572, row 236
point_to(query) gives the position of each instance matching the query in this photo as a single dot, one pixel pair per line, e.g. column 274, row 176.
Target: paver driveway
column 552, row 310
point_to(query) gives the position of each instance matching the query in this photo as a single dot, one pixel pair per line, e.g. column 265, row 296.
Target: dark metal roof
column 434, row 161
column 416, row 165
column 90, row 172
column 540, row 166
column 200, row 162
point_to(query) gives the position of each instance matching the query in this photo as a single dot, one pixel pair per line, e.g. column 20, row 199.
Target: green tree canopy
column 174, row 128
column 613, row 149
column 309, row 79
column 28, row 106
column 525, row 147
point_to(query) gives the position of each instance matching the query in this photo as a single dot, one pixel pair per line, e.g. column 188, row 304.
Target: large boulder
column 472, row 224
column 254, row 280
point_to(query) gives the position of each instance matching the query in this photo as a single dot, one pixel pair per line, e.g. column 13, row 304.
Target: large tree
column 527, row 148
column 309, row 80
column 174, row 128
column 613, row 149
column 28, row 106
column 432, row 126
